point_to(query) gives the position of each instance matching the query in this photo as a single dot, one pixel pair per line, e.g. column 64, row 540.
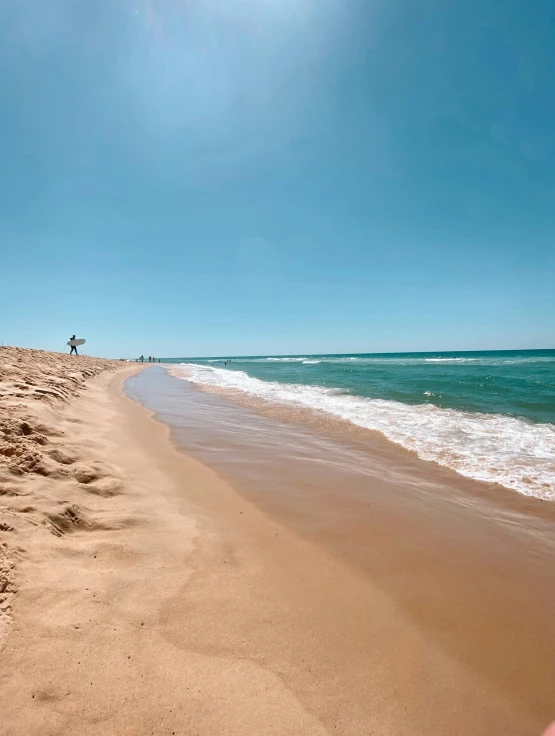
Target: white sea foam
column 395, row 361
column 449, row 360
column 311, row 362
column 392, row 360
column 488, row 447
column 285, row 360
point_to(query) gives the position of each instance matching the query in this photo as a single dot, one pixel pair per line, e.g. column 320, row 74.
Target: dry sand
column 32, row 383
column 143, row 595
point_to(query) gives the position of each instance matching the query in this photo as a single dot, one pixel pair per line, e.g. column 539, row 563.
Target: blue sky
column 277, row 176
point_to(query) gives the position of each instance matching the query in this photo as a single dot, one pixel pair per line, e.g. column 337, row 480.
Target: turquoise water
column 488, row 415
column 513, row 383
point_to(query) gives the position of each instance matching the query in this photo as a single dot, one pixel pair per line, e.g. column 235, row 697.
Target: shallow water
column 489, row 416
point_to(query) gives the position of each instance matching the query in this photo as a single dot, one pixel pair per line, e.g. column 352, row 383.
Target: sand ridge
column 34, row 384
column 28, row 377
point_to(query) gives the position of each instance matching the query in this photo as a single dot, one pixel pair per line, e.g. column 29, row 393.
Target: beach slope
column 141, row 594
column 98, row 542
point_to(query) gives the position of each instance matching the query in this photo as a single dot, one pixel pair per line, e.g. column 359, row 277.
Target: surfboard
column 76, row 343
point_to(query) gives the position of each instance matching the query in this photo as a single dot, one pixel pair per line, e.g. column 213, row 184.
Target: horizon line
column 393, row 352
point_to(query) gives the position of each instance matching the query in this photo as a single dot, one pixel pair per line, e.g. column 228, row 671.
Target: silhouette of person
column 73, row 347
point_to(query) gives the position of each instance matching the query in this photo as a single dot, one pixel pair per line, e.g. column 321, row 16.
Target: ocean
column 487, row 415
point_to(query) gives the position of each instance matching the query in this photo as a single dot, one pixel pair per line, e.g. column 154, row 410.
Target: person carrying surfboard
column 73, row 347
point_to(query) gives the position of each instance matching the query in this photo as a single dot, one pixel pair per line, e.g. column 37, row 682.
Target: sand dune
column 34, row 385
column 31, row 382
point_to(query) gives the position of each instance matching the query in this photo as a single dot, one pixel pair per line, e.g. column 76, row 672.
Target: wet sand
column 301, row 584
column 470, row 565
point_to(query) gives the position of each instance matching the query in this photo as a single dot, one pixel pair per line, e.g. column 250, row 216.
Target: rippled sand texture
column 34, row 385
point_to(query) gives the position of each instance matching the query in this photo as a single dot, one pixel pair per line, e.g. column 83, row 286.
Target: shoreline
column 390, row 453
column 490, row 444
column 470, row 581
column 170, row 603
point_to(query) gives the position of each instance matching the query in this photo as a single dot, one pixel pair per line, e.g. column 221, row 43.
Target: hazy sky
column 209, row 177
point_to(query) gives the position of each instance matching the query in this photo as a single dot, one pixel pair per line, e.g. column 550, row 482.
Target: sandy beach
column 143, row 593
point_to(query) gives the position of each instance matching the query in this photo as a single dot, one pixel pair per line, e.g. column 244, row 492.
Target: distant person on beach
column 153, row 359
column 142, row 358
column 73, row 347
